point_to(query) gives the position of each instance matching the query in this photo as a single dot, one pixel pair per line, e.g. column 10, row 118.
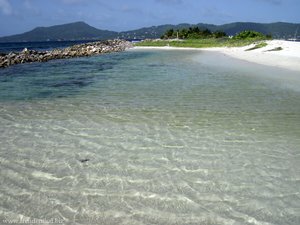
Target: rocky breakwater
column 87, row 49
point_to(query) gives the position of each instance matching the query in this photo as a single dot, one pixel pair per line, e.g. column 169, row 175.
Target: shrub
column 257, row 46
column 249, row 34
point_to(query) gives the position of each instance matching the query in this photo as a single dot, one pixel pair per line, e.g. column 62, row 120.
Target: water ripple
column 154, row 138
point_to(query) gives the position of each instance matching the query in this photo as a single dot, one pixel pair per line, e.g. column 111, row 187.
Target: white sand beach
column 288, row 57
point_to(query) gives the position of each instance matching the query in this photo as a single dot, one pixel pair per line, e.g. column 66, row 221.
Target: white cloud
column 5, row 7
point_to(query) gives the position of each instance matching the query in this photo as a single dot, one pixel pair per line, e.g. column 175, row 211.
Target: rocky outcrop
column 88, row 49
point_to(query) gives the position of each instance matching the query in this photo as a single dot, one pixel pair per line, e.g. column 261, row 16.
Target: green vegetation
column 207, row 40
column 257, row 46
column 192, row 33
column 197, row 43
column 250, row 34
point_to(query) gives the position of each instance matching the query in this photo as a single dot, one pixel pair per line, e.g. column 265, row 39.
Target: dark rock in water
column 88, row 49
column 84, row 160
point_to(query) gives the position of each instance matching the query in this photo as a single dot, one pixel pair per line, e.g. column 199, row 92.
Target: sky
column 18, row 16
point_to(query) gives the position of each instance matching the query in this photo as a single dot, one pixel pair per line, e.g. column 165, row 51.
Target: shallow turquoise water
column 150, row 137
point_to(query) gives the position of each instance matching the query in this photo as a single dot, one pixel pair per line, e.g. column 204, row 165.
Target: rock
column 25, row 50
column 84, row 160
column 81, row 50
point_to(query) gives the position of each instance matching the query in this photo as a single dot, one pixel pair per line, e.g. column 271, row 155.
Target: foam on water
column 154, row 137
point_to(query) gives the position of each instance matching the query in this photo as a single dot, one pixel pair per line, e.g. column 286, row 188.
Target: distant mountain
column 277, row 30
column 71, row 31
column 83, row 31
column 151, row 32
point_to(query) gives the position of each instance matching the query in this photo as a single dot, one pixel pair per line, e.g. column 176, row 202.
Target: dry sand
column 288, row 57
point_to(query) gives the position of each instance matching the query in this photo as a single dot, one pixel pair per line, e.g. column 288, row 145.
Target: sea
column 37, row 46
column 144, row 137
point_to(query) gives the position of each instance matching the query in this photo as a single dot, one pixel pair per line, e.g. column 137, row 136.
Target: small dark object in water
column 84, row 160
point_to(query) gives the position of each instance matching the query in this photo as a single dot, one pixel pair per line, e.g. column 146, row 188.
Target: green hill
column 277, row 30
column 71, row 31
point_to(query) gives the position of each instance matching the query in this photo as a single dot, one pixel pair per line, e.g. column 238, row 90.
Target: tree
column 219, row 34
column 206, row 33
column 183, row 33
column 169, row 33
column 193, row 33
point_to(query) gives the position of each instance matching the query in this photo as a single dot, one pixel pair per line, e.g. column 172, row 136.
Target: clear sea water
column 150, row 137
column 38, row 46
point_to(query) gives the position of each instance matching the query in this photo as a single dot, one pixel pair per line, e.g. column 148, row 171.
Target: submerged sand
column 288, row 57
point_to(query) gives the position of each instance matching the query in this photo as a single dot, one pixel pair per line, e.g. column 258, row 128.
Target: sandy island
column 288, row 57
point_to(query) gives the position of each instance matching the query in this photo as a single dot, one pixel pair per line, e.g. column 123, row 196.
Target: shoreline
column 287, row 58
